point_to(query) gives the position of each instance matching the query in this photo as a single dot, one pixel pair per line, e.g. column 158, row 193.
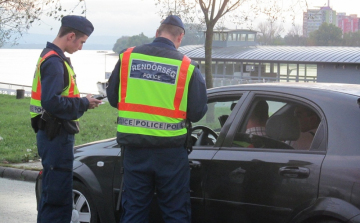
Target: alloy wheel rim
column 81, row 209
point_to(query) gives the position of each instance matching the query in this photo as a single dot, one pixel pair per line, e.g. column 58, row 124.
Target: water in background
column 17, row 66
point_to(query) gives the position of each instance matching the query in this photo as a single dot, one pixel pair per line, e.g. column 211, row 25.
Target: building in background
column 237, row 59
column 348, row 23
column 313, row 18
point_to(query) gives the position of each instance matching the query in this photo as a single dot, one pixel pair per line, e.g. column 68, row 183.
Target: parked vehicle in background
column 247, row 178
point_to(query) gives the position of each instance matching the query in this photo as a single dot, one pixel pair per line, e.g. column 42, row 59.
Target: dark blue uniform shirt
column 52, row 84
column 197, row 99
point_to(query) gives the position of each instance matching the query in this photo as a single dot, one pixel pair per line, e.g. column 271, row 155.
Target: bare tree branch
column 17, row 16
column 240, row 11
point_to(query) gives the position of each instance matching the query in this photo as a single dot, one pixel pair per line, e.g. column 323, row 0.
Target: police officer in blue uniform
column 57, row 153
column 157, row 163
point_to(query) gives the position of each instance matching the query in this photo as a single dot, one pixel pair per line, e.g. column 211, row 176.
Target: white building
column 313, row 18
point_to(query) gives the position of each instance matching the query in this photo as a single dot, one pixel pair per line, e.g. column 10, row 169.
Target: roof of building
column 286, row 54
column 234, row 30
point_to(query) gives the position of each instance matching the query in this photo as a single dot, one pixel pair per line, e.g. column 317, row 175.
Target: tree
column 213, row 11
column 17, row 16
column 126, row 41
column 351, row 39
column 326, row 35
column 270, row 32
column 194, row 35
column 295, row 40
column 294, row 37
column 121, row 44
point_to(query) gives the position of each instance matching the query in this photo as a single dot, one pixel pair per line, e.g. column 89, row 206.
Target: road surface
column 18, row 201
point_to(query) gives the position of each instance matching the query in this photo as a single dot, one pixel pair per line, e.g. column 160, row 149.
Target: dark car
column 245, row 177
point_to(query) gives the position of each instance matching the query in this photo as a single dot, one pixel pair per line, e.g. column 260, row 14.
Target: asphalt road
column 18, row 201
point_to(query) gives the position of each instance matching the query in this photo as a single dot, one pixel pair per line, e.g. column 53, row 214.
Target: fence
column 13, row 89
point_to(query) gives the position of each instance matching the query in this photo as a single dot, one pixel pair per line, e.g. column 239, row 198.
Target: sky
column 112, row 17
column 131, row 17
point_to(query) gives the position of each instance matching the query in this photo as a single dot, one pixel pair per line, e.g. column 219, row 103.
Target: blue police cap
column 174, row 20
column 79, row 23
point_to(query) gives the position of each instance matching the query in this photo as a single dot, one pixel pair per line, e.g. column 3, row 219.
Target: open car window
column 219, row 110
column 277, row 124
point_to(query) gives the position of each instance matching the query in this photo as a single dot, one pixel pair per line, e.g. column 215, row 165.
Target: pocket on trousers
column 59, row 187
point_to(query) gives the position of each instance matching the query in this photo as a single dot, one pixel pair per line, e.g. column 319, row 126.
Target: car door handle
column 294, row 172
column 194, row 164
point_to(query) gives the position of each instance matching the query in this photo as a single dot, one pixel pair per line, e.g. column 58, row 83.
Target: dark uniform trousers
column 165, row 170
column 57, row 159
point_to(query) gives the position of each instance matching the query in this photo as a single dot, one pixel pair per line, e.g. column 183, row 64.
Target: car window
column 277, row 124
column 274, row 106
column 218, row 112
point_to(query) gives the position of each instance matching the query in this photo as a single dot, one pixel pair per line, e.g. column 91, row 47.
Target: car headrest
column 222, row 119
column 283, row 127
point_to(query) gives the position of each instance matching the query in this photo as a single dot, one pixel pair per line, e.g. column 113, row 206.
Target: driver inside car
column 256, row 123
column 258, row 118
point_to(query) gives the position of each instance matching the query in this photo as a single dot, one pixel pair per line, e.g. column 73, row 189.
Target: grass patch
column 18, row 140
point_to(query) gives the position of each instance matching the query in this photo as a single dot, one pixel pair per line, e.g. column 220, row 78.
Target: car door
column 267, row 183
column 219, row 109
column 200, row 159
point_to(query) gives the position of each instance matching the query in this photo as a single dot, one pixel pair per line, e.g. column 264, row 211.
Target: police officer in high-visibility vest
column 55, row 108
column 156, row 89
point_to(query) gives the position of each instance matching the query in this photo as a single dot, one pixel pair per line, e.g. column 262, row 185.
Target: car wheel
column 325, row 220
column 329, row 221
column 84, row 210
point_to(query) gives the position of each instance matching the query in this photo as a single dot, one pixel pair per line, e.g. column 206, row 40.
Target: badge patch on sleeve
column 152, row 71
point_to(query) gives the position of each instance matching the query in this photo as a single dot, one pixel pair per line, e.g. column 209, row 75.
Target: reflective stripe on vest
column 70, row 90
column 37, row 94
column 150, row 124
column 162, row 111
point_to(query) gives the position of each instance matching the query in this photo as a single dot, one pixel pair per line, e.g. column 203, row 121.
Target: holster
column 37, row 123
column 52, row 125
column 72, row 127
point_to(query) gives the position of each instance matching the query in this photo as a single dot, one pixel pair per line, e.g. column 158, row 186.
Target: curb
column 18, row 174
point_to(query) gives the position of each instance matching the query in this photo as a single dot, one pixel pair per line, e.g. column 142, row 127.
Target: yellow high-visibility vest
column 71, row 90
column 153, row 94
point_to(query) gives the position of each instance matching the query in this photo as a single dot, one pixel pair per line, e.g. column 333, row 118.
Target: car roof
column 352, row 89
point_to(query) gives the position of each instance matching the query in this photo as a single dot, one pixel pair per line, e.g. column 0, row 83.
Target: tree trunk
column 208, row 57
column 208, row 71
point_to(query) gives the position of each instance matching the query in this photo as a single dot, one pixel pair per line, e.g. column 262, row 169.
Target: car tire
column 326, row 220
column 84, row 210
column 329, row 221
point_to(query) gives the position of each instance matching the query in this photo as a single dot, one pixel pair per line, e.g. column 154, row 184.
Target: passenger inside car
column 309, row 122
column 257, row 121
column 256, row 124
column 269, row 124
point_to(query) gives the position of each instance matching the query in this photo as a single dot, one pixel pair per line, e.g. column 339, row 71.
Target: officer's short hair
column 66, row 30
column 172, row 30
